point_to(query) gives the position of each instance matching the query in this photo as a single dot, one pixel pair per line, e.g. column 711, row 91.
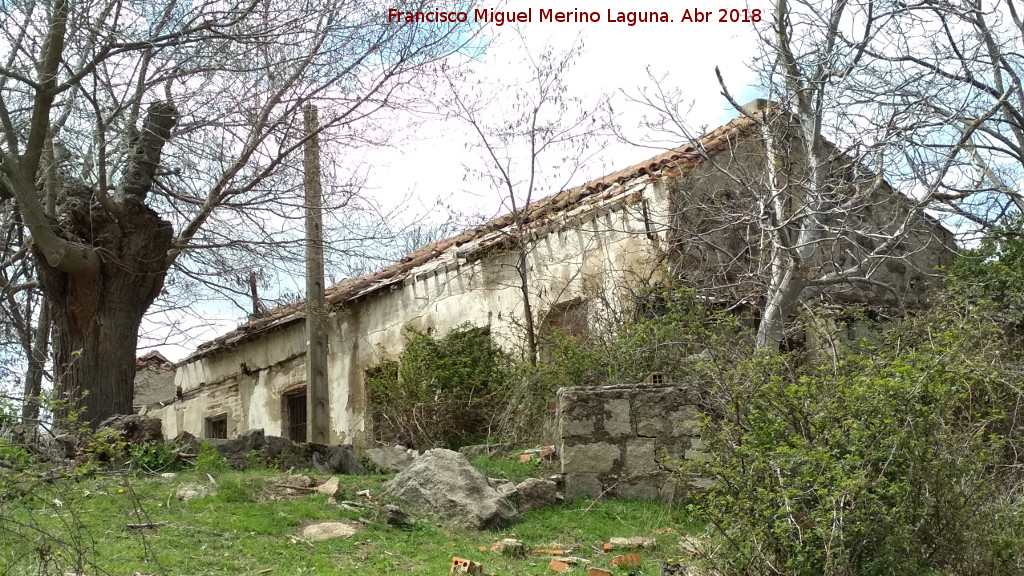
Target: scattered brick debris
column 541, row 452
column 668, row 530
column 463, row 566
column 548, row 552
column 626, row 560
column 598, row 572
column 558, row 566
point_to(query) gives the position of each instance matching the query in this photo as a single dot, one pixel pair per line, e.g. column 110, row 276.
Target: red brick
column 463, row 566
column 559, row 566
column 626, row 560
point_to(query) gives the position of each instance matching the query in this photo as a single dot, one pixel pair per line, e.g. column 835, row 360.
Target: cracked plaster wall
column 599, row 258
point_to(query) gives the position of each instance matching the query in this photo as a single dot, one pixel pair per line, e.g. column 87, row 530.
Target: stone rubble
column 329, row 530
column 389, row 459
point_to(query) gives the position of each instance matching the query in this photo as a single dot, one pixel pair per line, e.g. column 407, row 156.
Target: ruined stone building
column 590, row 248
column 154, row 380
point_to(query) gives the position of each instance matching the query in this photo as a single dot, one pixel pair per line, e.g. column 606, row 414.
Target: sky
column 615, row 61
column 426, row 163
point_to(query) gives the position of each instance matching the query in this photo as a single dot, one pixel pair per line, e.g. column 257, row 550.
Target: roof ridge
column 691, row 153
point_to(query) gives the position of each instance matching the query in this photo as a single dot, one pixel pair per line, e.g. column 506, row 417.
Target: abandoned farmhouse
column 589, row 249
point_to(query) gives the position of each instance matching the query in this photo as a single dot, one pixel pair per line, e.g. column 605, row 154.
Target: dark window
column 217, row 426
column 295, row 416
column 656, row 378
column 568, row 319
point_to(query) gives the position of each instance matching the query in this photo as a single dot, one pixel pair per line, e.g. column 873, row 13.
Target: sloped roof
column 153, row 360
column 540, row 213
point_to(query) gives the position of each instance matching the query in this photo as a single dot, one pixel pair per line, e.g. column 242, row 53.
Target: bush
column 154, row 457
column 894, row 459
column 670, row 333
column 894, row 456
column 209, row 459
column 440, row 391
column 992, row 274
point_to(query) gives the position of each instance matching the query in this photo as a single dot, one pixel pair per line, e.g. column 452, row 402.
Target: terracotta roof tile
column 595, row 192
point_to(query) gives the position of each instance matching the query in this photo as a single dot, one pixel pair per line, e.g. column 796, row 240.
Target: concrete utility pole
column 317, row 396
column 254, row 294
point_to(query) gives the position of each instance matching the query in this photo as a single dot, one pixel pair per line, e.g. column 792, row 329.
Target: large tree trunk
column 780, row 304
column 96, row 315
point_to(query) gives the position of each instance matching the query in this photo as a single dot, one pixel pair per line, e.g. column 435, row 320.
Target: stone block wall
column 626, row 440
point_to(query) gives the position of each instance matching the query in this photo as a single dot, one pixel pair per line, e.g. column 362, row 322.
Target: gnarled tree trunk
column 96, row 315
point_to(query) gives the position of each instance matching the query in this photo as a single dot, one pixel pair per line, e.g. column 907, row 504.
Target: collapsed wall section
column 626, row 440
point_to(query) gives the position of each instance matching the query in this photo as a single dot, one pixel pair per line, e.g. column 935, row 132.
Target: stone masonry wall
column 625, row 440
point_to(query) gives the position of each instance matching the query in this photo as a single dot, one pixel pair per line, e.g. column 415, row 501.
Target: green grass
column 240, row 531
column 510, row 468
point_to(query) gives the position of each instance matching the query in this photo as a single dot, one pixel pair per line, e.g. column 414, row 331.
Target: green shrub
column 993, row 273
column 154, row 457
column 440, row 391
column 255, row 461
column 209, row 459
column 669, row 333
column 14, row 456
column 894, row 459
column 43, row 506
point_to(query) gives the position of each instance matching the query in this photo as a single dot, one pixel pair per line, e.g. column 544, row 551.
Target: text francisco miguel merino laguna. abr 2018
column 499, row 17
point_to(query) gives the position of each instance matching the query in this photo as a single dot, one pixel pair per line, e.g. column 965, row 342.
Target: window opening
column 217, row 426
column 295, row 416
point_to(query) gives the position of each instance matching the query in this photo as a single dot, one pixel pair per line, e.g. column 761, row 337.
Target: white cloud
column 429, row 162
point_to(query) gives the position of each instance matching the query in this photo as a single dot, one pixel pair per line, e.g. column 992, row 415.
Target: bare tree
column 800, row 208
column 24, row 322
column 534, row 147
column 170, row 131
column 953, row 79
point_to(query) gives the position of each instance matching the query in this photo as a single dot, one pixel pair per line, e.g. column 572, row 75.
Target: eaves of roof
column 542, row 214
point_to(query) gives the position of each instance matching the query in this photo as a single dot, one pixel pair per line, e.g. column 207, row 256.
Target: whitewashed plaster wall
column 596, row 259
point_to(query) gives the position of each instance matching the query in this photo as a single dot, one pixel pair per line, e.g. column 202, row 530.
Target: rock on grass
column 445, row 484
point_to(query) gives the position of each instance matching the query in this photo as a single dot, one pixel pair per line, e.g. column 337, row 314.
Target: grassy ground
column 250, row 527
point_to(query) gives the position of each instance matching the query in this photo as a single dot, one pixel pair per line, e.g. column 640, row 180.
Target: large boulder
column 135, row 428
column 388, row 459
column 187, row 443
column 337, row 460
column 537, row 493
column 444, row 484
column 236, row 450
